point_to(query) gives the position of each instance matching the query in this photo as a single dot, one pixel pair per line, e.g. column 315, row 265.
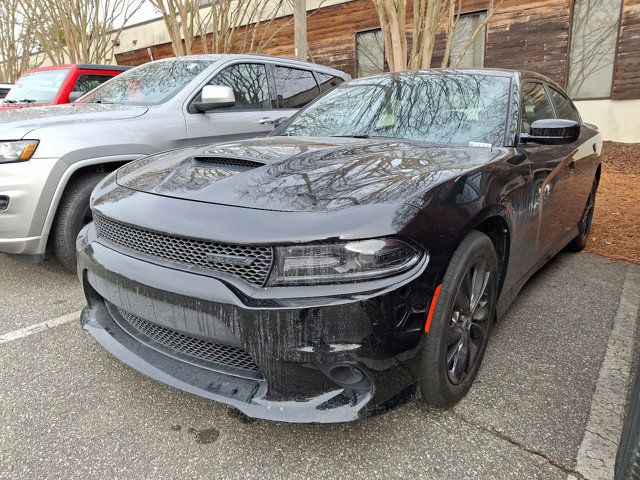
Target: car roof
column 254, row 56
column 82, row 66
column 516, row 75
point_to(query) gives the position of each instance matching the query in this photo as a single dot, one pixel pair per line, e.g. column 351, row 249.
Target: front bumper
column 30, row 187
column 320, row 359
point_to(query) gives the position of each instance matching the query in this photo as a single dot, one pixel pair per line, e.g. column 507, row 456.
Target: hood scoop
column 237, row 164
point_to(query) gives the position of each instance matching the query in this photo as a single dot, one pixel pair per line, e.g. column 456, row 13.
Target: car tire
column 628, row 457
column 73, row 214
column 584, row 225
column 446, row 373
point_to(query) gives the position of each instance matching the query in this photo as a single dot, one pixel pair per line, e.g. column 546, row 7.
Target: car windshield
column 37, row 87
column 149, row 84
column 432, row 107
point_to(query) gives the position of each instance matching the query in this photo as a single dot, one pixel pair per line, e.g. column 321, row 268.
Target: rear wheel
column 584, row 226
column 73, row 214
column 461, row 323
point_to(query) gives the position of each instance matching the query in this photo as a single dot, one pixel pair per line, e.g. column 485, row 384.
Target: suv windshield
column 149, row 84
column 432, row 107
column 37, row 87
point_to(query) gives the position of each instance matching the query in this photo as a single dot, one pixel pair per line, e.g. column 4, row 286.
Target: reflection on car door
column 246, row 119
column 552, row 171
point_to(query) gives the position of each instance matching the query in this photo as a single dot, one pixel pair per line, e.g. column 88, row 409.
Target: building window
column 593, row 47
column 369, row 53
column 463, row 53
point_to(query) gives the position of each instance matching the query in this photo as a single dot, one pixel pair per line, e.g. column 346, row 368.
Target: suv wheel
column 73, row 214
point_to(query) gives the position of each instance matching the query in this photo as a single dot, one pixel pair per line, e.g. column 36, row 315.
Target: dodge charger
column 354, row 260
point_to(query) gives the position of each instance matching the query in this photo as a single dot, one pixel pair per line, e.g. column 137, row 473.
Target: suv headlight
column 341, row 262
column 17, row 151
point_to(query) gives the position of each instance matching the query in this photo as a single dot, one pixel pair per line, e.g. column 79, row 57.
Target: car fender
column 63, row 182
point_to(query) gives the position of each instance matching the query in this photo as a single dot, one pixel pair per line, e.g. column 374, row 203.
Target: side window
column 564, row 107
column 294, row 88
column 87, row 82
column 327, row 82
column 249, row 84
column 535, row 105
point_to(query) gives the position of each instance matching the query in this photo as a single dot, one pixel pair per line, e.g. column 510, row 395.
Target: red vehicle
column 57, row 84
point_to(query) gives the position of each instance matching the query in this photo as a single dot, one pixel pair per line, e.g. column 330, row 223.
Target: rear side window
column 564, row 107
column 294, row 88
column 87, row 82
column 327, row 82
column 249, row 84
column 535, row 105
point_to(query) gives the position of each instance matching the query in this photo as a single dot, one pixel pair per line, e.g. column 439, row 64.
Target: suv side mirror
column 552, row 131
column 215, row 96
column 75, row 95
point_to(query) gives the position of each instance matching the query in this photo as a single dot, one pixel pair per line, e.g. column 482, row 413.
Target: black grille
column 238, row 163
column 191, row 252
column 191, row 347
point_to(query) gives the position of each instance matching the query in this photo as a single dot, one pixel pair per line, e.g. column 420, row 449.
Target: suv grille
column 201, row 254
column 188, row 346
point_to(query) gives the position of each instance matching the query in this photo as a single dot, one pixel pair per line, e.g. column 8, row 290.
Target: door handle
column 276, row 122
column 572, row 164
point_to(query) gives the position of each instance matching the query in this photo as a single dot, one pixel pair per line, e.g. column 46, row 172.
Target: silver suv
column 52, row 157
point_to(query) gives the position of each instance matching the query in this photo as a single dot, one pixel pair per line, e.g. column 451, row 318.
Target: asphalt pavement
column 70, row 410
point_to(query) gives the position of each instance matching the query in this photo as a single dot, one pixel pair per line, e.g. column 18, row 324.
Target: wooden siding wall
column 522, row 34
column 626, row 78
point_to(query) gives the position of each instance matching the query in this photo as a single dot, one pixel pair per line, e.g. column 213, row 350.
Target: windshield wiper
column 27, row 100
column 9, row 101
column 355, row 135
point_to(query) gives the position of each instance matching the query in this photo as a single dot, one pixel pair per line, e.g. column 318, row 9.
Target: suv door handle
column 272, row 121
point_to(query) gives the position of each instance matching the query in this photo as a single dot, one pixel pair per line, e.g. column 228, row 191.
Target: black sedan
column 352, row 261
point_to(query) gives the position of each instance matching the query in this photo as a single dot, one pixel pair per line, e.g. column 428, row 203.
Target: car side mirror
column 75, row 95
column 552, row 131
column 215, row 96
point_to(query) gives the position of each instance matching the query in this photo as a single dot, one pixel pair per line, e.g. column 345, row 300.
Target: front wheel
column 584, row 226
column 73, row 214
column 461, row 322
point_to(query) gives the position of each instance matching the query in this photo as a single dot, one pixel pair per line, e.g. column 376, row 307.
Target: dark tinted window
column 535, row 105
column 295, row 88
column 3, row 92
column 249, row 84
column 327, row 82
column 564, row 107
column 86, row 82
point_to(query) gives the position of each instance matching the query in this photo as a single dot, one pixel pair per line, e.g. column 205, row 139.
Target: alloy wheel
column 469, row 322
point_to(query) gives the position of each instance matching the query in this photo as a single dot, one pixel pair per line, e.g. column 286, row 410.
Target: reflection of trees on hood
column 354, row 176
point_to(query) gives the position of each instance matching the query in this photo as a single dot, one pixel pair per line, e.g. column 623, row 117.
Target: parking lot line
column 597, row 453
column 38, row 327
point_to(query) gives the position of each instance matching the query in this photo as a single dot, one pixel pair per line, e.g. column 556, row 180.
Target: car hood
column 302, row 174
column 15, row 124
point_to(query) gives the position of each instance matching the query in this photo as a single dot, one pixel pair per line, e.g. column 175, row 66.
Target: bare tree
column 79, row 31
column 181, row 19
column 429, row 18
column 242, row 25
column 300, row 29
column 221, row 26
column 16, row 41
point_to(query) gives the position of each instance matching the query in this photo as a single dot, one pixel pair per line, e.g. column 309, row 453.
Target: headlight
column 341, row 262
column 17, row 151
